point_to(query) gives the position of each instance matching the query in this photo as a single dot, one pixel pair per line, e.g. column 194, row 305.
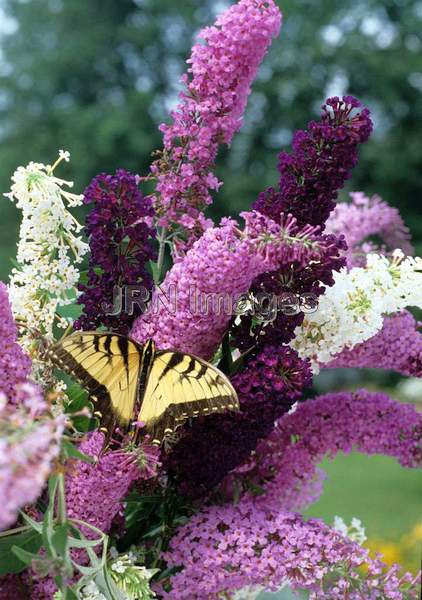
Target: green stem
column 161, row 253
column 14, row 531
column 61, row 500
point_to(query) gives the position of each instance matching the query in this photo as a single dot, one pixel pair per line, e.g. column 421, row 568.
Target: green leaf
column 84, row 424
column 60, row 539
column 24, row 556
column 78, row 397
column 70, row 594
column 48, row 522
column 9, row 563
column 36, row 525
column 155, row 531
column 70, row 311
column 71, row 451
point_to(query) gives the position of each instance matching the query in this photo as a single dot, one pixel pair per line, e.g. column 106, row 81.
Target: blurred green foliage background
column 96, row 78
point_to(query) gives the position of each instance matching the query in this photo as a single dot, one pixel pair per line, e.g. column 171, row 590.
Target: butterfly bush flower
column 49, row 248
column 268, row 386
column 120, row 241
column 224, row 549
column 95, row 492
column 191, row 310
column 29, row 446
column 285, row 465
column 322, row 160
column 352, row 310
column 310, row 178
column 216, row 88
column 397, row 347
column 364, row 217
column 11, row 587
column 15, row 365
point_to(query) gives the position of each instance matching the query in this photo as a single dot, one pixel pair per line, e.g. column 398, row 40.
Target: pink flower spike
column 217, row 84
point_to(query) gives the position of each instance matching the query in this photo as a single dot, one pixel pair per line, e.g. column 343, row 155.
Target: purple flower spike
column 121, row 246
column 322, row 160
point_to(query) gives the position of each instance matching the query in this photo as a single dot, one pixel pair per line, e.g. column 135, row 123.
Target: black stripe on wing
column 97, row 392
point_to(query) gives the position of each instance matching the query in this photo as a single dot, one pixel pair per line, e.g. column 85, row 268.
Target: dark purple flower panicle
column 322, row 160
column 267, row 388
column 120, row 235
column 295, row 279
column 311, row 177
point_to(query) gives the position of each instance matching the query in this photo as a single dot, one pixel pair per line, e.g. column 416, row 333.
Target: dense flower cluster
column 352, row 310
column 210, row 111
column 268, row 386
column 49, row 245
column 398, row 347
column 288, row 459
column 364, row 217
column 95, row 491
column 29, row 445
column 292, row 277
column 120, row 245
column 224, row 549
column 15, row 365
column 322, row 160
column 192, row 309
column 311, row 178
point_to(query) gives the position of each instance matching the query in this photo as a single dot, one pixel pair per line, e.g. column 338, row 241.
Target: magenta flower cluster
column 241, row 475
column 397, row 347
column 220, row 266
column 15, row 365
column 224, row 549
column 210, row 110
column 364, row 217
column 288, row 459
column 108, row 479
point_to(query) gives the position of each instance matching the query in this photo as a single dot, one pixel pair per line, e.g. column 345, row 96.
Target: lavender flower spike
column 285, row 465
column 15, row 365
column 397, row 347
column 29, row 445
column 95, row 491
column 364, row 217
column 221, row 265
column 217, row 85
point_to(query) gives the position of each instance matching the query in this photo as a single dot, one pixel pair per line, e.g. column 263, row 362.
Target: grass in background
column 377, row 490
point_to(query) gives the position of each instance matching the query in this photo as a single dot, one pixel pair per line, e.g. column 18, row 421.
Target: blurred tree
column 97, row 77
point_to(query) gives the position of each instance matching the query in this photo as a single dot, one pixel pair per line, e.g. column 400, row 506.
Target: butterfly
column 121, row 376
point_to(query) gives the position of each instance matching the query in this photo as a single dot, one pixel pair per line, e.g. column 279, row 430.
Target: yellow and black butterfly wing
column 180, row 386
column 108, row 367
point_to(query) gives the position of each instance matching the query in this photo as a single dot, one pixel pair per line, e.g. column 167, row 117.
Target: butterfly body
column 130, row 382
